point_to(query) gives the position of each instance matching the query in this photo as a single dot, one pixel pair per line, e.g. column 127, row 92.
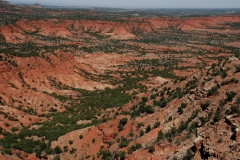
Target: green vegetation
column 233, row 110
column 160, row 136
column 139, row 125
column 205, row 105
column 183, row 126
column 217, row 116
column 180, row 109
column 149, row 128
column 124, row 142
column 189, row 155
column 105, row 99
column 237, row 69
column 134, row 148
column 120, row 154
column 212, row 91
column 157, row 124
column 230, row 95
column 106, row 154
column 206, row 119
column 138, row 109
column 57, row 150
column 57, row 157
column 151, row 149
column 232, row 80
column 1, row 130
column 141, row 133
column 73, row 150
column 162, row 102
column 122, row 123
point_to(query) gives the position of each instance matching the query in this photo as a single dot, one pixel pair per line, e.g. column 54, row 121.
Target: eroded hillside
column 88, row 84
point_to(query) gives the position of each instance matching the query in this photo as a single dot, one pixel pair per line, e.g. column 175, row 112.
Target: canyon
column 93, row 84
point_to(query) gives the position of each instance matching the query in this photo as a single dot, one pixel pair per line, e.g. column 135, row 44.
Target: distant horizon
column 137, row 4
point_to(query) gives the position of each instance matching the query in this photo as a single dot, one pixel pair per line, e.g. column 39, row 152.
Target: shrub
column 153, row 96
column 144, row 99
column 120, row 127
column 237, row 69
column 157, row 124
column 212, row 91
column 106, row 154
column 73, row 150
column 14, row 129
column 183, row 105
column 222, row 103
column 1, row 129
column 233, row 80
column 217, row 116
column 115, row 135
column 57, row 157
column 205, row 105
column 151, row 149
column 110, row 143
column 193, row 126
column 235, row 109
column 148, row 109
column 180, row 109
column 163, row 102
column 213, row 65
column 134, row 148
column 148, row 129
column 220, row 140
column 70, row 142
column 65, row 148
column 131, row 149
column 131, row 134
column 52, row 110
column 139, row 125
column 182, row 126
column 57, row 150
column 170, row 139
column 160, row 136
column 138, row 145
column 7, row 151
column 223, row 74
column 18, row 154
column 123, row 121
column 120, row 154
column 190, row 154
column 228, row 112
column 162, row 93
column 124, row 142
column 230, row 95
column 141, row 133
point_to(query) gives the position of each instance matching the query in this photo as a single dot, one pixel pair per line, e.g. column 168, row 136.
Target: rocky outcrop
column 36, row 5
column 234, row 121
